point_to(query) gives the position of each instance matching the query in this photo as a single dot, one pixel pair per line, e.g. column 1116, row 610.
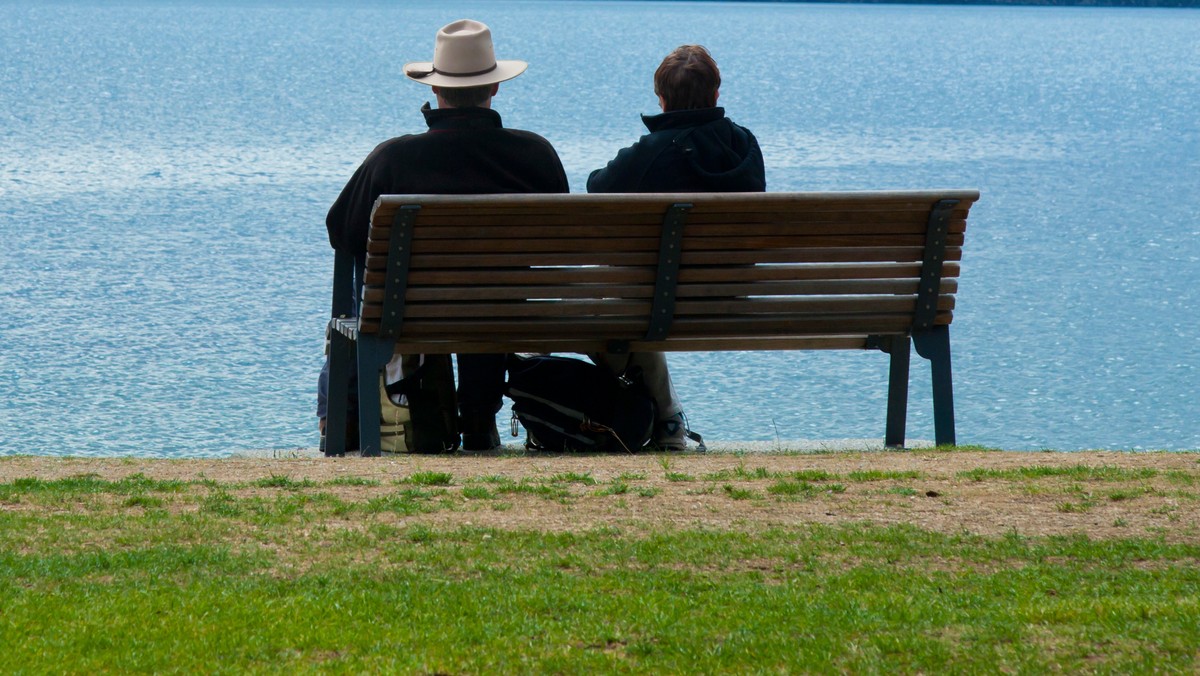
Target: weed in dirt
column 477, row 493
column 429, row 479
column 284, row 482
column 585, row 478
column 739, row 493
column 615, row 487
column 882, row 475
column 353, row 481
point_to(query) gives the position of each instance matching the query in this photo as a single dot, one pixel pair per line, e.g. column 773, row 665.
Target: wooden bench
column 653, row 272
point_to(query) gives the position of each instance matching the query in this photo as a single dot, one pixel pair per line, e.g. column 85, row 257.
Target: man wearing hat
column 465, row 151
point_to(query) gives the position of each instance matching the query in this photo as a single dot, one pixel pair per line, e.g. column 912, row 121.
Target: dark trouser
column 480, row 385
column 480, row 388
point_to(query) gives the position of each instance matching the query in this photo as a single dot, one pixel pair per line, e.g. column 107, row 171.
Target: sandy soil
column 940, row 498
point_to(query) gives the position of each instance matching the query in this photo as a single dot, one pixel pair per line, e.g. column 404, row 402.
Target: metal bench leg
column 373, row 355
column 897, row 406
column 934, row 345
column 341, row 366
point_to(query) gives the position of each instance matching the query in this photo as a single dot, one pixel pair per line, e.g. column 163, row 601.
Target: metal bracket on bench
column 931, row 264
column 662, row 311
column 396, row 283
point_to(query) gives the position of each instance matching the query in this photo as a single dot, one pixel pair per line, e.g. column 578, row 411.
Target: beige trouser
column 654, row 374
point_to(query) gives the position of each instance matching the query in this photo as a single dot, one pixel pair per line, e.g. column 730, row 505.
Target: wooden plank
column 500, row 293
column 513, row 260
column 421, row 276
column 731, row 273
column 814, row 255
column 632, row 225
column 735, row 202
column 847, row 257
column 733, row 309
column 650, row 244
column 576, row 239
column 838, row 287
column 584, row 346
column 691, row 243
column 532, row 276
column 609, row 328
column 545, row 309
column 567, row 245
column 786, row 289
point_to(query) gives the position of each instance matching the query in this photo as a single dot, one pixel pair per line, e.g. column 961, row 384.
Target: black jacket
column 686, row 151
column 465, row 151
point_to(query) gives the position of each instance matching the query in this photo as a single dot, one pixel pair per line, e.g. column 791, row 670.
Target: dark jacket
column 465, row 151
column 686, row 151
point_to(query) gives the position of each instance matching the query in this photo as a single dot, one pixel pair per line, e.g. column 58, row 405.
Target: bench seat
column 655, row 272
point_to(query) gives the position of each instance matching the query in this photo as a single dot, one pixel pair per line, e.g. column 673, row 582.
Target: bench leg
column 341, row 366
column 897, row 406
column 373, row 356
column 934, row 345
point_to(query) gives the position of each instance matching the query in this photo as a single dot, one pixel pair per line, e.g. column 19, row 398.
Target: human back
column 465, row 150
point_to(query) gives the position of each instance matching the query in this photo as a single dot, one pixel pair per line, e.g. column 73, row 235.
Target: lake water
column 165, row 168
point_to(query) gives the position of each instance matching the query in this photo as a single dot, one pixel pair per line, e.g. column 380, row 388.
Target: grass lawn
column 897, row 562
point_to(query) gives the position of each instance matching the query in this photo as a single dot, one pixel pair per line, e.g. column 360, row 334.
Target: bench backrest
column 663, row 272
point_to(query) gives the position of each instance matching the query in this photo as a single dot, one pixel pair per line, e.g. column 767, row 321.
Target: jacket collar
column 681, row 119
column 441, row 119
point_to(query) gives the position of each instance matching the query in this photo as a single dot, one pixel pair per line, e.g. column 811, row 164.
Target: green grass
column 285, row 575
column 429, row 479
column 573, row 478
column 425, row 600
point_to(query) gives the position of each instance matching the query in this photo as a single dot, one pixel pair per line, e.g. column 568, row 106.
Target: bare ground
column 729, row 491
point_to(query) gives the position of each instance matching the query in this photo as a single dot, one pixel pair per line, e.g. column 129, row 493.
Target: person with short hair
column 691, row 147
column 466, row 150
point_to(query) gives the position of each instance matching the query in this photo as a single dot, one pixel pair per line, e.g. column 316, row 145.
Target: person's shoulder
column 396, row 143
column 528, row 136
column 740, row 127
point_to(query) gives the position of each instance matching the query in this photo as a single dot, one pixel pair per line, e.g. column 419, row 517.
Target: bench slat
column 440, row 275
column 731, row 202
column 584, row 346
column 374, row 297
column 841, row 256
column 732, row 310
column 606, row 328
column 486, row 226
column 650, row 243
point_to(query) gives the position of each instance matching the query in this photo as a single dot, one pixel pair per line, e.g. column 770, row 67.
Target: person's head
column 688, row 78
column 464, row 71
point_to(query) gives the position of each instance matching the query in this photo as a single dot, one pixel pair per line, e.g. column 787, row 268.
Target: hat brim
column 505, row 70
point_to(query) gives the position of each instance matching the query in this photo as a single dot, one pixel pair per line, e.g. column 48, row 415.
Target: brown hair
column 687, row 78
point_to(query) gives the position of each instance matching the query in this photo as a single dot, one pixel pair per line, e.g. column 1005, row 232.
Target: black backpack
column 569, row 404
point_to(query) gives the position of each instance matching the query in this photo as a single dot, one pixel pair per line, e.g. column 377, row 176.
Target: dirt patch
column 988, row 493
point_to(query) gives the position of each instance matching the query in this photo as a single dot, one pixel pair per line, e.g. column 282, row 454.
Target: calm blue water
column 165, row 168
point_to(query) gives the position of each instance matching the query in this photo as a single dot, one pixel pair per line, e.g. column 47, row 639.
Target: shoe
column 670, row 434
column 479, row 433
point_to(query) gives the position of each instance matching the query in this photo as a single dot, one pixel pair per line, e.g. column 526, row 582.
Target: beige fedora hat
column 463, row 57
